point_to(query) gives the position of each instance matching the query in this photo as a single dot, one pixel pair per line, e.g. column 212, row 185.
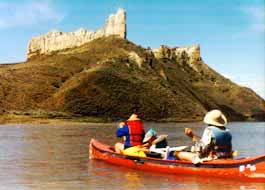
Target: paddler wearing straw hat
column 216, row 141
column 132, row 130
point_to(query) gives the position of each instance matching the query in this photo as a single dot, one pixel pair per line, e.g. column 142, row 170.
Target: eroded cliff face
column 115, row 25
column 167, row 52
column 57, row 40
column 190, row 53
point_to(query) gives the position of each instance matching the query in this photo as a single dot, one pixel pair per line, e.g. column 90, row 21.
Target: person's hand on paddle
column 121, row 124
column 189, row 132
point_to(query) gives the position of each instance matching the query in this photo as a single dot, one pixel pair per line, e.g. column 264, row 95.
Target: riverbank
column 12, row 118
column 29, row 119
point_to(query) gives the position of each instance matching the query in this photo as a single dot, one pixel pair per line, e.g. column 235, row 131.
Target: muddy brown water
column 55, row 157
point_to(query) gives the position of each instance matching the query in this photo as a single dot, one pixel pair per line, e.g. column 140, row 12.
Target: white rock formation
column 136, row 58
column 56, row 40
column 192, row 51
column 163, row 51
column 179, row 53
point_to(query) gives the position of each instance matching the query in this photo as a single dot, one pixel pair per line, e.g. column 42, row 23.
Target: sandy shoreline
column 29, row 119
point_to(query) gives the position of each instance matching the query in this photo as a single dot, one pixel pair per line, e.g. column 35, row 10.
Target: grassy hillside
column 112, row 77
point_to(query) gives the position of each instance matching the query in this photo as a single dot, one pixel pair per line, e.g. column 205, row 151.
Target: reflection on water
column 56, row 157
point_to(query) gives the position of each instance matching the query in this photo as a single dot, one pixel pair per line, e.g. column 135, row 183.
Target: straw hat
column 150, row 133
column 216, row 118
column 133, row 117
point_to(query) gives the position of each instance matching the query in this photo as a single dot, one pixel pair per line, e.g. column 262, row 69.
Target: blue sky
column 230, row 32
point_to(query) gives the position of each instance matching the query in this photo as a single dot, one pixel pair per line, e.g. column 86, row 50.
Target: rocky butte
column 57, row 40
column 115, row 25
column 101, row 74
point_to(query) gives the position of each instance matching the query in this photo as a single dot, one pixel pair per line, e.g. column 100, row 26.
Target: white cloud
column 256, row 16
column 30, row 13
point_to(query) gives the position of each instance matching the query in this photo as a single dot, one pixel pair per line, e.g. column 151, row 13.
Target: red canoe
column 251, row 169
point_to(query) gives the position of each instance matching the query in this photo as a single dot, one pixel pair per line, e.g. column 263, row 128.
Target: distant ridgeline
column 102, row 74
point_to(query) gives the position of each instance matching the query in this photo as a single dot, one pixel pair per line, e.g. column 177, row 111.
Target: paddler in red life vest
column 132, row 130
column 216, row 141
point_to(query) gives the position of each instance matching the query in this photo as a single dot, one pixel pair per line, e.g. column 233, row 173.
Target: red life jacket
column 136, row 131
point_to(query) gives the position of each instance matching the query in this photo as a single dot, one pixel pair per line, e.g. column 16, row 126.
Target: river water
column 55, row 157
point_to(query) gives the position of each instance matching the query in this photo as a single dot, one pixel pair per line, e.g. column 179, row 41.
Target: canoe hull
column 251, row 169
